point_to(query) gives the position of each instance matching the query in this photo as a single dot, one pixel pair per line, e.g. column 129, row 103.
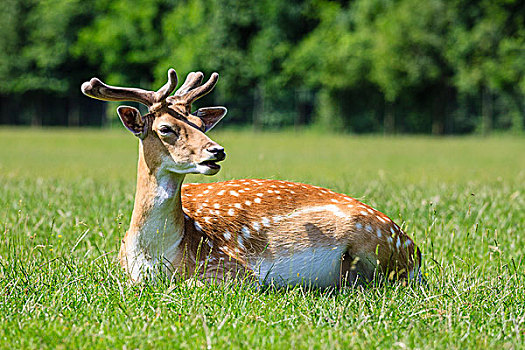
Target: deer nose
column 218, row 152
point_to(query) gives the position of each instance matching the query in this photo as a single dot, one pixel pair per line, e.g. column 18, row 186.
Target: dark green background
column 406, row 66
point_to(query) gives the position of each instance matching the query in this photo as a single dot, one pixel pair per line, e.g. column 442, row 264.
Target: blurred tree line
column 435, row 66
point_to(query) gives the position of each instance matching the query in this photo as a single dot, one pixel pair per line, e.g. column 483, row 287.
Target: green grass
column 66, row 199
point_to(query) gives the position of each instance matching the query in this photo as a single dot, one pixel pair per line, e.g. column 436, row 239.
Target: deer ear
column 210, row 116
column 133, row 121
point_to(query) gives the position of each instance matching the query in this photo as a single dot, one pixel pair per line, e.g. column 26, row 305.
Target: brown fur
column 212, row 206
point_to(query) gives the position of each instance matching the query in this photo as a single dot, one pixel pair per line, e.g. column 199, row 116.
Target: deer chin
column 203, row 168
column 208, row 167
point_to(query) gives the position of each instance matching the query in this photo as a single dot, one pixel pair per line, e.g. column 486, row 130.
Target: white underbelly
column 318, row 267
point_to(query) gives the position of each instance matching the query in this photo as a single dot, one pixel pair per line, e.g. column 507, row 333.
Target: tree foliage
column 366, row 65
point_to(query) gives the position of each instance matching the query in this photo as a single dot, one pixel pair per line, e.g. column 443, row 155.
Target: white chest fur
column 155, row 243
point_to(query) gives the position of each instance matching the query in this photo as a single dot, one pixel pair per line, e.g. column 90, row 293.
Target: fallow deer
column 277, row 232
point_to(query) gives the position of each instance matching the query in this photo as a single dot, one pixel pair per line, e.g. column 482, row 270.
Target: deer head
column 172, row 138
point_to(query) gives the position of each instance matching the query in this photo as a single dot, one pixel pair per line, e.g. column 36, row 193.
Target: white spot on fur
column 216, row 205
column 369, row 228
column 265, row 221
column 248, row 203
column 257, row 200
column 240, row 242
column 334, row 200
column 407, row 243
column 358, row 225
column 256, row 226
column 398, row 243
column 246, row 231
column 197, row 226
column 220, row 193
column 237, row 205
column 231, row 212
column 259, row 194
column 380, row 219
column 207, row 219
column 378, row 231
column 364, row 213
column 233, row 193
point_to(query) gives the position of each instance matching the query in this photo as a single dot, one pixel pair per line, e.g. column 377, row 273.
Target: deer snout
column 217, row 151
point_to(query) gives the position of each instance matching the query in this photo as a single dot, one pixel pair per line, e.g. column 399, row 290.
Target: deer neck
column 157, row 222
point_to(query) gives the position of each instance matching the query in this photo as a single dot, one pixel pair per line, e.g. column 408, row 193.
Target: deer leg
column 355, row 270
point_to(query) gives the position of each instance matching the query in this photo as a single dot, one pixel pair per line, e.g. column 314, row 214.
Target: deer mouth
column 211, row 164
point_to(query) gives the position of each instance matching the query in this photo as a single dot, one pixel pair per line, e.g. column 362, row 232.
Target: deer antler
column 191, row 91
column 97, row 89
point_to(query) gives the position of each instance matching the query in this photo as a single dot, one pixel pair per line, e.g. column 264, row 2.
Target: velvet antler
column 97, row 89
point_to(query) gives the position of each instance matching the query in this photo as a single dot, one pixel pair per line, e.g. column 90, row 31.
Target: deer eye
column 166, row 130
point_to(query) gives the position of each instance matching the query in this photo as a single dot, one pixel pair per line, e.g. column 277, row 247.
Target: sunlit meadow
column 66, row 199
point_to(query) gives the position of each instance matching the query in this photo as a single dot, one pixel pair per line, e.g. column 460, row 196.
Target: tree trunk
column 36, row 110
column 258, row 108
column 303, row 107
column 486, row 111
column 438, row 112
column 73, row 113
column 389, row 121
column 518, row 117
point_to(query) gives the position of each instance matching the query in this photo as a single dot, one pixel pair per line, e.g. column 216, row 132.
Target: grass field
column 66, row 199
